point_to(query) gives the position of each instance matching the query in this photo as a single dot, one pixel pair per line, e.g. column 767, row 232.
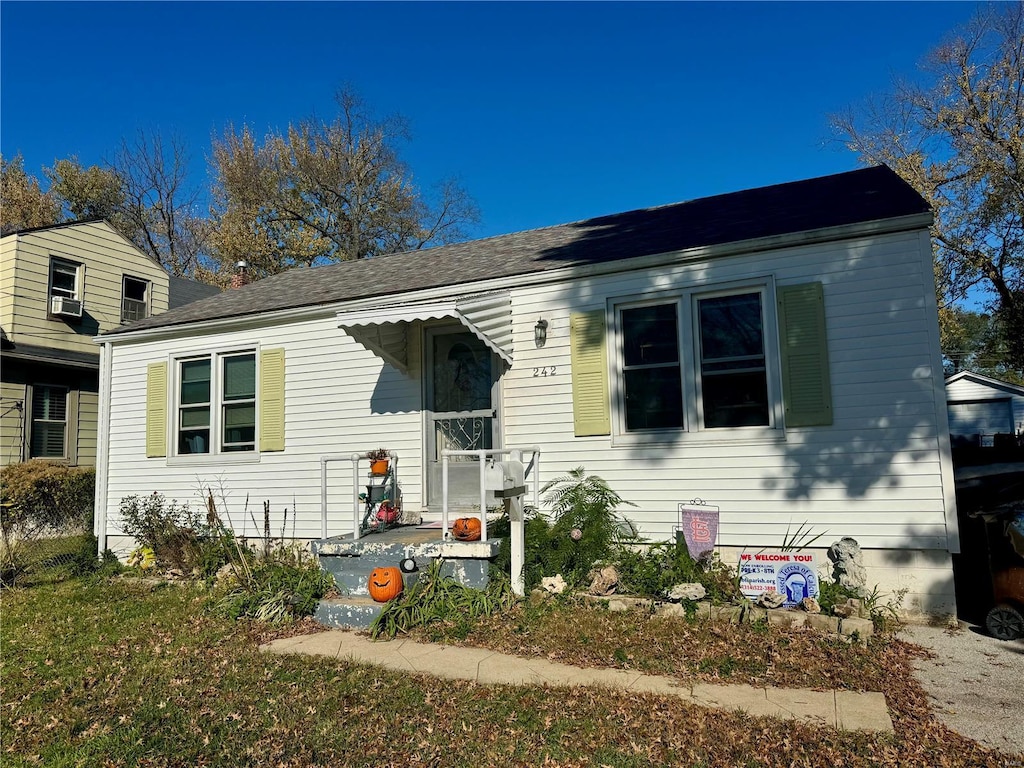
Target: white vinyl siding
column 875, row 473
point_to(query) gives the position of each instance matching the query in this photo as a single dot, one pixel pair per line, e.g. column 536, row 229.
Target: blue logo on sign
column 795, row 582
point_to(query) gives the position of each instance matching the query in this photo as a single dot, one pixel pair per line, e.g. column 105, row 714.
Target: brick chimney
column 241, row 276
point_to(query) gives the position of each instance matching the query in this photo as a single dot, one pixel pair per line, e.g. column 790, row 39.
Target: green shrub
column 582, row 530
column 277, row 588
column 40, row 500
column 660, row 567
column 171, row 530
column 438, row 598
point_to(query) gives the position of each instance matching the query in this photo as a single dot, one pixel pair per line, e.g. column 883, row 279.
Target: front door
column 462, row 398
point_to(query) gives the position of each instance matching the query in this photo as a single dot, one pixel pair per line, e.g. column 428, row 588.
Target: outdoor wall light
column 540, row 333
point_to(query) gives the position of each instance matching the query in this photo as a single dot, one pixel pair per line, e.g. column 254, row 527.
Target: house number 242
column 546, row 370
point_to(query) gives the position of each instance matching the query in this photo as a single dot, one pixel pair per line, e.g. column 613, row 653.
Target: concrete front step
column 350, row 611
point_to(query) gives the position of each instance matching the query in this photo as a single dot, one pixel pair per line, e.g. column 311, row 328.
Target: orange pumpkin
column 466, row 529
column 385, row 583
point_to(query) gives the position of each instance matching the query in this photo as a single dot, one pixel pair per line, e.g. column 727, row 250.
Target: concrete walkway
column 846, row 710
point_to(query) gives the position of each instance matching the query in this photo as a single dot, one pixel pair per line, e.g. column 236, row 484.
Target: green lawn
column 121, row 673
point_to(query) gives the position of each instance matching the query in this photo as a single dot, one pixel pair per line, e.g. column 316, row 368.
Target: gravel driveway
column 975, row 684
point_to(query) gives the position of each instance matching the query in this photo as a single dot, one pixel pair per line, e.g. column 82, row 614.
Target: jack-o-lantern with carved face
column 385, row 583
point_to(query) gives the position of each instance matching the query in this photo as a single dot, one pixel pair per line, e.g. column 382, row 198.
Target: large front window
column 217, row 403
column 694, row 362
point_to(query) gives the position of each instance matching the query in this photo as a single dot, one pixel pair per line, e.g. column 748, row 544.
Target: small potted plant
column 379, row 458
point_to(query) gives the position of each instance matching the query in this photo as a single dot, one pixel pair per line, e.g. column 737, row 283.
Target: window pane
column 48, row 440
column 649, row 335
column 654, row 398
column 735, row 399
column 730, row 326
column 135, row 289
column 64, row 280
column 195, row 381
column 194, row 441
column 195, row 417
column 240, row 377
column 49, row 403
column 239, row 427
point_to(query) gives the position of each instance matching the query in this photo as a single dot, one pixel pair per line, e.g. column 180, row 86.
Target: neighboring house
column 63, row 285
column 981, row 407
column 774, row 352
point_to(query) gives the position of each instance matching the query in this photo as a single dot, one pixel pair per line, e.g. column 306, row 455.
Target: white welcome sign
column 794, row 575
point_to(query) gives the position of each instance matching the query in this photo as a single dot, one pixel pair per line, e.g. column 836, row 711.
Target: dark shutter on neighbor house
column 806, row 386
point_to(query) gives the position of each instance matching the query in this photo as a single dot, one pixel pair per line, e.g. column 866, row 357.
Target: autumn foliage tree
column 322, row 192
column 959, row 140
column 23, row 203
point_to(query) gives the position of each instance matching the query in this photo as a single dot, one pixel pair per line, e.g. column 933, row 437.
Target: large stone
column 729, row 613
column 755, row 613
column 771, row 599
column 690, row 591
column 787, row 619
column 848, row 563
column 810, row 605
column 554, row 585
column 862, row 629
column 851, row 608
column 671, row 609
column 603, row 580
column 823, row 623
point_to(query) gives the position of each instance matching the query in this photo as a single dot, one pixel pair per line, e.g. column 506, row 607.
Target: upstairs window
column 134, row 299
column 64, row 279
column 49, row 422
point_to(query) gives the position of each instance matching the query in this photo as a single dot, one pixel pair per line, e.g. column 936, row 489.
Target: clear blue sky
column 546, row 113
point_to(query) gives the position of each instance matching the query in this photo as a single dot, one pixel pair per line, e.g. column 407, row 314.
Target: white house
column 774, row 352
column 981, row 407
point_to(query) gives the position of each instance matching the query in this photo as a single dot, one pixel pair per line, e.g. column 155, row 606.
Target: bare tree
column 959, row 140
column 324, row 192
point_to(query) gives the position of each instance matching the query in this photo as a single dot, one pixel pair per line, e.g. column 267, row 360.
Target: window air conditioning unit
column 60, row 305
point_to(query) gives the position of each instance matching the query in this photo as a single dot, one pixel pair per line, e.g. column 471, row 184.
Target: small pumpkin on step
column 466, row 529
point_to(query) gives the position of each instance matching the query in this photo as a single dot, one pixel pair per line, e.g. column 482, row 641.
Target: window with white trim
column 64, row 280
column 49, row 422
column 695, row 361
column 216, row 403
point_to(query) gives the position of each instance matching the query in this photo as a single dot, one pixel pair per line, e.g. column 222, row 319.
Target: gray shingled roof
column 182, row 291
column 870, row 194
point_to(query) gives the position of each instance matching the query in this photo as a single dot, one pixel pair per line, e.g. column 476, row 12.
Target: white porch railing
column 357, row 511
column 483, row 455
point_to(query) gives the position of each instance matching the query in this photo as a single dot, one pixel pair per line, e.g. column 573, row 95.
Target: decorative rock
column 754, row 613
column 618, row 606
column 771, row 599
column 845, row 610
column 823, row 623
column 787, row 619
column 671, row 609
column 862, row 628
column 604, row 580
column 691, row 591
column 729, row 613
column 554, row 585
column 848, row 568
column 810, row 605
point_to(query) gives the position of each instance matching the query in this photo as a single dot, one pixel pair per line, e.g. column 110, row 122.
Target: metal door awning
column 385, row 330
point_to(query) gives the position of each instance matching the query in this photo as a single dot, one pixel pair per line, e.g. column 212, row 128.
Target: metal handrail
column 355, row 458
column 483, row 454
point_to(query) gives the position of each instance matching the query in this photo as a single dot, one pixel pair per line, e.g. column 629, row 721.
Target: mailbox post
column 513, row 489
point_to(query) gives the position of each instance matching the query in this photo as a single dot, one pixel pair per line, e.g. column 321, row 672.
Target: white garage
column 983, row 406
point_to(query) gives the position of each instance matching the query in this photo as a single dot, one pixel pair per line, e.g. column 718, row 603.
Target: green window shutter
column 156, row 410
column 590, row 408
column 271, row 399
column 806, row 387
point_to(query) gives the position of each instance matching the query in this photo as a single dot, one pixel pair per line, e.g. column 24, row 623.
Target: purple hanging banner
column 699, row 524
